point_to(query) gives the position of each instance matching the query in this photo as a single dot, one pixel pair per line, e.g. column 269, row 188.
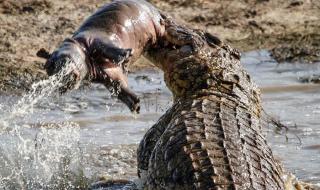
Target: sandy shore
column 290, row 29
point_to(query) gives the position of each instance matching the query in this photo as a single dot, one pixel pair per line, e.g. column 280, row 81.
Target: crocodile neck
column 211, row 73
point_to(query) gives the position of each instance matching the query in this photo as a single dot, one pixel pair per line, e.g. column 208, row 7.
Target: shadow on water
column 86, row 134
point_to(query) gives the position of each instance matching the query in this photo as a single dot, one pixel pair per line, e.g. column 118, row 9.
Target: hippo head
column 68, row 56
column 68, row 61
column 74, row 63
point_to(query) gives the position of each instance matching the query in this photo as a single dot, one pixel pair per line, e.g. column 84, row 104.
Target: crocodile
column 211, row 137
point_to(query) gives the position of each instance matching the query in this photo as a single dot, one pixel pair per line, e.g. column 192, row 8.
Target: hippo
column 106, row 43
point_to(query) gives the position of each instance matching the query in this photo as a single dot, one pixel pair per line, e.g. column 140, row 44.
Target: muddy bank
column 290, row 28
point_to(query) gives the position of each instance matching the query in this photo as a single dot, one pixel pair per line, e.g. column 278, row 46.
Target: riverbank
column 290, row 29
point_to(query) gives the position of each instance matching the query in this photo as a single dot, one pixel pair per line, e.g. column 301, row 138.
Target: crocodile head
column 196, row 63
column 186, row 59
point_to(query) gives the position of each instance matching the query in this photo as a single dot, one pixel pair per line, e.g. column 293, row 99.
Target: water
column 73, row 140
column 295, row 104
column 37, row 159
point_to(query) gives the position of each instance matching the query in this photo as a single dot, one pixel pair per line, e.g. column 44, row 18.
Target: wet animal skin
column 211, row 138
column 113, row 37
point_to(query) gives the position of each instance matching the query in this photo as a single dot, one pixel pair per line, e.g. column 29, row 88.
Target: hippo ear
column 43, row 53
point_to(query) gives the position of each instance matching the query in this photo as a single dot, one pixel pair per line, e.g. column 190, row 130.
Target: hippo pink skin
column 113, row 37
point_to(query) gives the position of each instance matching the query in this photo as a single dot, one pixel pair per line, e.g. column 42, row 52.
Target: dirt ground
column 290, row 29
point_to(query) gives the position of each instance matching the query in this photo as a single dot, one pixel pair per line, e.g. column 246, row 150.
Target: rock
column 295, row 3
column 295, row 53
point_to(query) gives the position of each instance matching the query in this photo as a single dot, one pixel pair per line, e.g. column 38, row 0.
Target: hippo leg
column 116, row 82
column 125, row 95
column 109, row 69
column 130, row 99
column 102, row 50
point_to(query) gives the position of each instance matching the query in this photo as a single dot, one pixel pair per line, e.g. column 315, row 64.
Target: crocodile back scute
column 215, row 144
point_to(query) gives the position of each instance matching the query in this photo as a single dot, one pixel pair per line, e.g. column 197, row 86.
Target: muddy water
column 88, row 134
column 295, row 104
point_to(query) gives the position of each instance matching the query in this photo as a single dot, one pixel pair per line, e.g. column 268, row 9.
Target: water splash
column 40, row 91
column 39, row 157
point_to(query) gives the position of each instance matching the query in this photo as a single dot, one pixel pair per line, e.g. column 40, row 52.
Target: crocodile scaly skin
column 211, row 138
